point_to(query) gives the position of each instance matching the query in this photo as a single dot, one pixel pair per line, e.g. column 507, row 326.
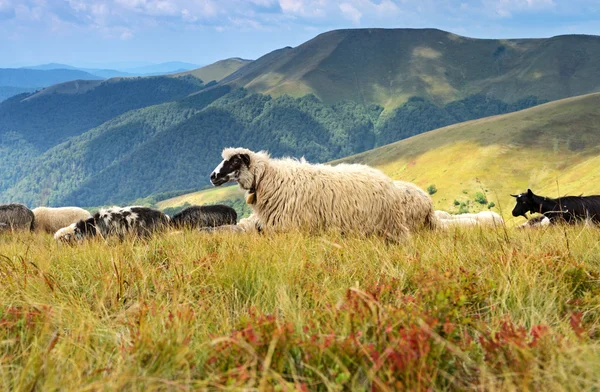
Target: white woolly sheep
column 289, row 194
column 446, row 224
column 116, row 221
column 483, row 218
column 420, row 213
column 443, row 214
column 50, row 220
column 538, row 221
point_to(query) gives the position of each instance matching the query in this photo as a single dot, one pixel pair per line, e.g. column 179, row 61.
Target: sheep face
column 77, row 231
column 230, row 169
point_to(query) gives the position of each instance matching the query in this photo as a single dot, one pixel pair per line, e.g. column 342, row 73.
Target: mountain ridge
column 552, row 148
column 387, row 66
column 431, row 79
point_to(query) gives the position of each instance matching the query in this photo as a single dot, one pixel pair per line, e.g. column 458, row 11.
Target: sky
column 123, row 33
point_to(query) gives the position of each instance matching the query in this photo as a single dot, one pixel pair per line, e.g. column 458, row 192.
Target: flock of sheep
column 74, row 223
column 285, row 194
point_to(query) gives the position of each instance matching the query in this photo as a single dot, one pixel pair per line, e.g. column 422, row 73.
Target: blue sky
column 130, row 32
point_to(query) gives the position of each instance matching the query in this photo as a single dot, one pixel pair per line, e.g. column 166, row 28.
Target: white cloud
column 306, row 8
column 505, row 8
column 264, row 3
column 292, row 6
column 351, row 13
column 247, row 24
column 126, row 34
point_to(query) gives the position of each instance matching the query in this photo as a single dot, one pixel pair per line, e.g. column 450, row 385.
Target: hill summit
column 388, row 66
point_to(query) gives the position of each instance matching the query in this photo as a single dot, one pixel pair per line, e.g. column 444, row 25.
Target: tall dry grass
column 467, row 309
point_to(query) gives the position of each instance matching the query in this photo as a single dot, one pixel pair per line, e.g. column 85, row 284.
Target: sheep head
column 238, row 165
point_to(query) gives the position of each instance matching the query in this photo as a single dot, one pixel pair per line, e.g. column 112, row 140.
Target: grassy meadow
column 493, row 309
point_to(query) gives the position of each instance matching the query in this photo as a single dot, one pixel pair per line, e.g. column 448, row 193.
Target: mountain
column 34, row 78
column 50, row 116
column 388, row 66
column 553, row 149
column 218, row 70
column 145, row 70
column 162, row 68
column 128, row 138
column 101, row 73
column 50, row 66
column 9, row 91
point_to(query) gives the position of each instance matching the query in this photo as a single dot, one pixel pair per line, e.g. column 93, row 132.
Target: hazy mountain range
column 339, row 94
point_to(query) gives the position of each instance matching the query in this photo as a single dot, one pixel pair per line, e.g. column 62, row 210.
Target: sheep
column 204, row 216
column 483, row 218
column 446, row 224
column 250, row 223
column 50, row 220
column 289, row 194
column 116, row 221
column 421, row 213
column 15, row 217
column 488, row 218
column 443, row 214
column 538, row 221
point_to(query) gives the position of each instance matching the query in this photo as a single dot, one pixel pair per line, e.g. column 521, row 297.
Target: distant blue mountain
column 162, row 68
column 146, row 70
column 36, row 78
column 10, row 91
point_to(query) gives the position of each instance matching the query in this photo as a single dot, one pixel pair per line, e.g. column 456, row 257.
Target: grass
column 487, row 310
column 216, row 71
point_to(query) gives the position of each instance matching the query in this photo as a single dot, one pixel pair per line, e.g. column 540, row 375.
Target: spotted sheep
column 116, row 221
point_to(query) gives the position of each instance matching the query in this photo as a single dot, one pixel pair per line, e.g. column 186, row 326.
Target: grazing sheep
column 446, row 224
column 16, row 217
column 289, row 194
column 483, row 218
column 443, row 214
column 204, row 216
column 52, row 219
column 538, row 221
column 421, row 213
column 250, row 223
column 116, row 221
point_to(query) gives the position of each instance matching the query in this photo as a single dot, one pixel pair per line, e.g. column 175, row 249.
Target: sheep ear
column 245, row 158
column 514, row 195
column 529, row 192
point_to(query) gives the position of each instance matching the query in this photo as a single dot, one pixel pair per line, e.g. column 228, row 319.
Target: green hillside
column 95, row 143
column 44, row 120
column 218, row 70
column 174, row 146
column 553, row 148
column 388, row 66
